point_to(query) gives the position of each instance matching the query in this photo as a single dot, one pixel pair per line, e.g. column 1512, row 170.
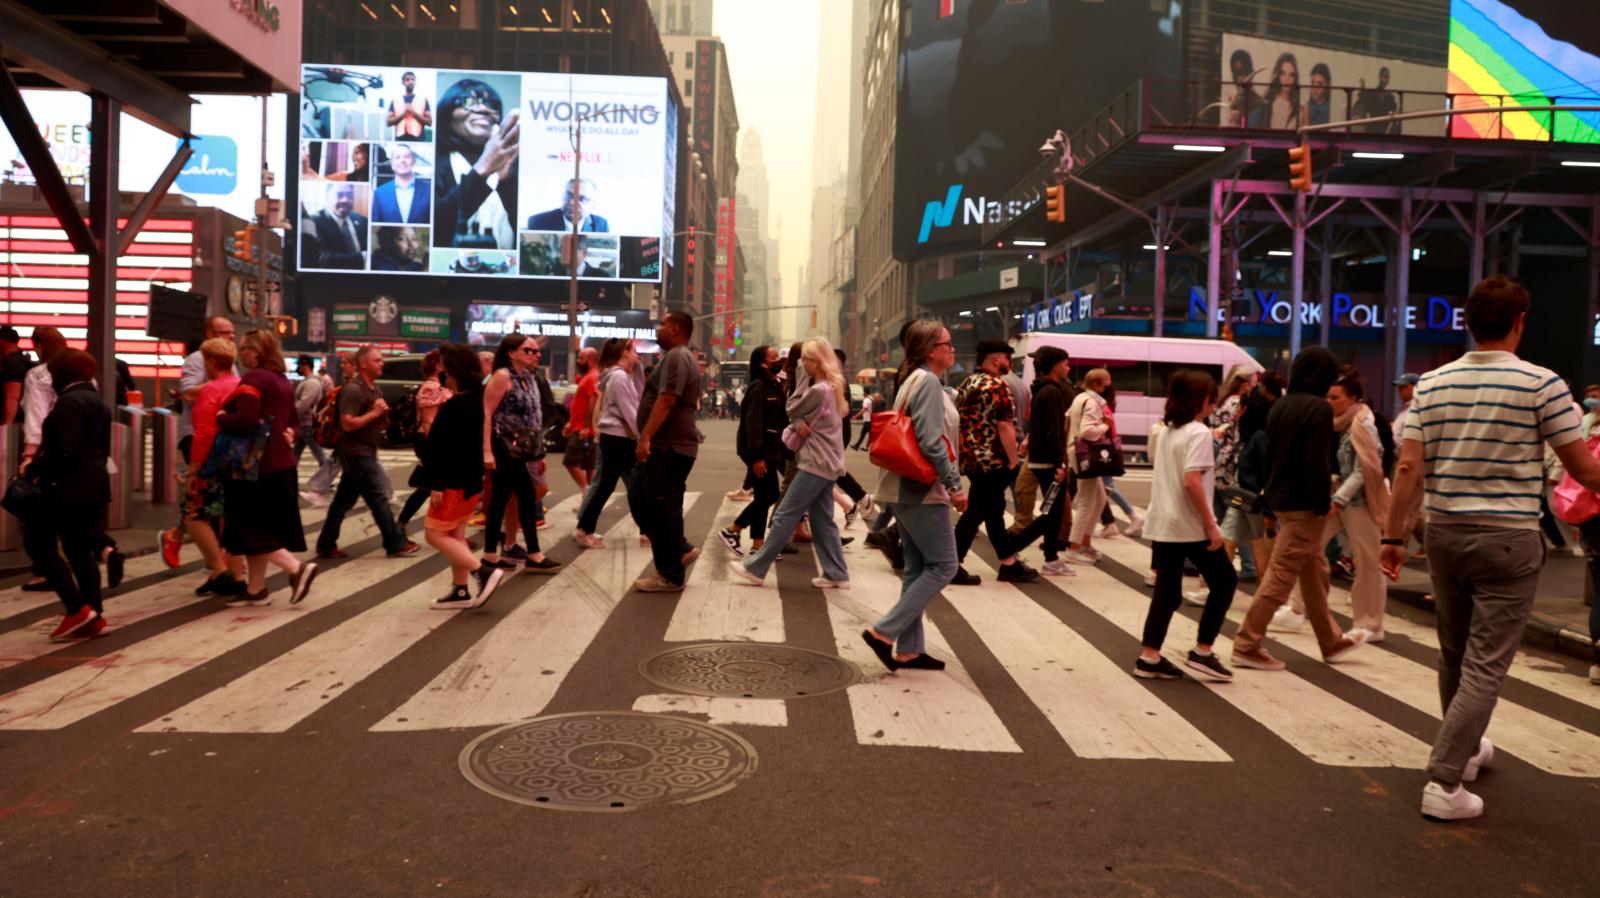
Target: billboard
column 1502, row 57
column 488, row 322
column 1272, row 84
column 981, row 85
column 224, row 172
column 452, row 172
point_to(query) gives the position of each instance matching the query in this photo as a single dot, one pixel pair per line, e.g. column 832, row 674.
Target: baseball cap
column 10, row 335
column 1045, row 358
column 1407, row 380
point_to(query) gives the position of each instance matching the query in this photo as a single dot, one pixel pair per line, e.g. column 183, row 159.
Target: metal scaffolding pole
column 1297, row 272
column 1162, row 217
column 1325, row 329
column 1214, row 259
column 1398, row 304
column 104, row 148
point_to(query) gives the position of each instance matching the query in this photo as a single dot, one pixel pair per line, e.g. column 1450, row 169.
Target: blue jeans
column 808, row 495
column 322, row 481
column 929, row 544
column 1117, row 496
column 363, row 478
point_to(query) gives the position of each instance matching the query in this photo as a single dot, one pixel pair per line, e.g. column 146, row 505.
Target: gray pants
column 1484, row 580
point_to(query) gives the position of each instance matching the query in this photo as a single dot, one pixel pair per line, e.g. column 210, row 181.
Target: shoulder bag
column 1099, row 458
column 22, row 497
column 894, row 445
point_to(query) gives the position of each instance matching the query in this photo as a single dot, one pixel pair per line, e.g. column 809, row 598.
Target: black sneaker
column 226, row 585
column 846, row 540
column 1160, row 669
column 457, row 598
column 1208, row 666
column 517, row 552
column 731, row 538
column 962, row 578
column 114, row 568
column 874, row 539
column 488, row 579
column 790, row 548
column 1017, row 572
column 504, row 564
column 300, row 583
column 851, row 515
column 542, row 566
column 210, row 586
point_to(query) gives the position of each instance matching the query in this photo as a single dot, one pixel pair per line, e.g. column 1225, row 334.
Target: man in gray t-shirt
column 668, row 444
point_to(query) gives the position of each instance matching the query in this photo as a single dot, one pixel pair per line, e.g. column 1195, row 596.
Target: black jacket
column 1299, row 451
column 761, row 422
column 1047, row 423
column 452, row 453
column 73, row 445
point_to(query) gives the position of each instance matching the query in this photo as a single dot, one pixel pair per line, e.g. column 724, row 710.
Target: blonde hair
column 218, row 349
column 821, row 352
column 1097, row 377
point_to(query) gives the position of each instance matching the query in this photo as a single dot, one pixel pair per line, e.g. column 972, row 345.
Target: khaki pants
column 1086, row 508
column 1369, row 595
column 1027, row 490
column 1296, row 556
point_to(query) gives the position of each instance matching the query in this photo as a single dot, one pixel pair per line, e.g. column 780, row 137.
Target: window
column 688, row 59
column 688, row 87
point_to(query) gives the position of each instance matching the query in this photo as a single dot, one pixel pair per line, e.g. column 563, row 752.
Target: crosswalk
column 368, row 615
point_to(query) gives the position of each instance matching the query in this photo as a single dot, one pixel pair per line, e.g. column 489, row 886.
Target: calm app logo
column 214, row 167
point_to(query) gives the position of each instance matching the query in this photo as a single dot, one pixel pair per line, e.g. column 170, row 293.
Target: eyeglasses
column 480, row 104
column 943, row 343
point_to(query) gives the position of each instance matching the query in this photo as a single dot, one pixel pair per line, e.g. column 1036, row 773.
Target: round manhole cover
column 749, row 670
column 614, row 761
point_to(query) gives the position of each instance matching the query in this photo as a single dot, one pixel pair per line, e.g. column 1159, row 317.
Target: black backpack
column 403, row 420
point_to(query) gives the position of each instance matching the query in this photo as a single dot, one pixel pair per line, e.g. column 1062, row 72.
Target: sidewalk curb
column 1543, row 631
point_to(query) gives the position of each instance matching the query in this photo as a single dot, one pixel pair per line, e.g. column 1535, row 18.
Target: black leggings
column 1215, row 569
column 79, row 529
column 853, row 489
column 414, row 504
column 765, row 493
column 617, row 458
column 510, row 478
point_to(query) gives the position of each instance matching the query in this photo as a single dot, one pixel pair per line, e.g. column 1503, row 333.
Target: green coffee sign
column 350, row 322
column 423, row 325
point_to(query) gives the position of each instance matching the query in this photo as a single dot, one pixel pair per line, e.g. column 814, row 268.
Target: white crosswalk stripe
column 522, row 661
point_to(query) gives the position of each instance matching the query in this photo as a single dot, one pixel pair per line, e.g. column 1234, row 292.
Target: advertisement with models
column 1270, row 85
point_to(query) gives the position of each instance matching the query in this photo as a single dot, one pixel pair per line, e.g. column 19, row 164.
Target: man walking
column 308, row 395
column 1299, row 496
column 579, row 457
column 363, row 414
column 989, row 459
column 1047, row 454
column 1474, row 443
column 668, row 444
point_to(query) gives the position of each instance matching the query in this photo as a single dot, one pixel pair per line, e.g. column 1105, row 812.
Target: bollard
column 10, row 458
column 165, row 464
column 121, row 511
column 133, row 416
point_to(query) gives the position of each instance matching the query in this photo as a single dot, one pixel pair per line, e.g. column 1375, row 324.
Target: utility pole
column 576, row 189
column 264, row 217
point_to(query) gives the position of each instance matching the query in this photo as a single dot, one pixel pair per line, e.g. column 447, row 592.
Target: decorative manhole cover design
column 749, row 670
column 613, row 761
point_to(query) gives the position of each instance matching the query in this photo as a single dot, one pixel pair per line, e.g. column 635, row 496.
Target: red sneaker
column 71, row 624
column 97, row 627
column 171, row 543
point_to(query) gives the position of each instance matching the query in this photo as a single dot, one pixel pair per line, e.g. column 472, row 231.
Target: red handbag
column 894, row 447
column 1572, row 501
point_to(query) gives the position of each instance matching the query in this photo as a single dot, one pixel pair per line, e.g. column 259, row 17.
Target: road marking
column 514, row 670
column 936, row 709
column 718, row 710
column 1320, row 726
column 1095, row 704
column 93, row 686
column 715, row 608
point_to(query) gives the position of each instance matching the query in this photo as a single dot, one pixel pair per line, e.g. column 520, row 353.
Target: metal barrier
column 167, row 461
column 133, row 416
column 121, row 510
column 10, row 458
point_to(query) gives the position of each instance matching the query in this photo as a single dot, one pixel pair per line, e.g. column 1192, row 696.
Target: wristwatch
column 1389, row 541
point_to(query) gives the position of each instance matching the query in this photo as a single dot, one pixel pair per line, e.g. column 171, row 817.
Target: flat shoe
column 922, row 662
column 884, row 652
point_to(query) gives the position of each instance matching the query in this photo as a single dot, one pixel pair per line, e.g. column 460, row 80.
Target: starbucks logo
column 383, row 310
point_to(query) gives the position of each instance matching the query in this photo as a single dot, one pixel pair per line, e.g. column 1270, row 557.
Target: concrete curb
column 1543, row 631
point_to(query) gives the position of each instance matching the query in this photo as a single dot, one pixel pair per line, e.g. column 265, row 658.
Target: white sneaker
column 867, row 505
column 1286, row 620
column 743, row 573
column 1196, row 596
column 1371, row 635
column 1057, row 568
column 591, row 541
column 1075, row 557
column 1480, row 759
column 1136, row 528
column 740, row 495
column 825, row 583
column 1439, row 804
column 1109, row 531
column 1150, row 578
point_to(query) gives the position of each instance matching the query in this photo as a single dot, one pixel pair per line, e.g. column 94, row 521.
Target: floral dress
column 1227, row 448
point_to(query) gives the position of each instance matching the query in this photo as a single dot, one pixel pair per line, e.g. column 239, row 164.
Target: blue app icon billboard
column 214, row 167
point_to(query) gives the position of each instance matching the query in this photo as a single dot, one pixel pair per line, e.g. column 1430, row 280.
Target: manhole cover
column 749, row 670
column 614, row 761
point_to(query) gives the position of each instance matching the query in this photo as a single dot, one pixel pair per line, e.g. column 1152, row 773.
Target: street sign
column 317, row 320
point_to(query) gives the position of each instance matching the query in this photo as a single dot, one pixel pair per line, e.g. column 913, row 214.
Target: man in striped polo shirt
column 1474, row 442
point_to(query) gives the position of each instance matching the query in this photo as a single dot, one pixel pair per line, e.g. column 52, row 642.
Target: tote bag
column 894, row 446
column 1572, row 501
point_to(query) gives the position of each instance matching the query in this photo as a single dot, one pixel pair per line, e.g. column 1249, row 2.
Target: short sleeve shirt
column 582, row 398
column 677, row 373
column 356, row 399
column 985, row 401
column 1171, row 517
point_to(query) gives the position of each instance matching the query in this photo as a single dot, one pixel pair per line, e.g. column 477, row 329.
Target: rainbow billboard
column 1499, row 57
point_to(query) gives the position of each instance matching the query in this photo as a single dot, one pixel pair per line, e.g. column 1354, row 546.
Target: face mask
column 1592, row 405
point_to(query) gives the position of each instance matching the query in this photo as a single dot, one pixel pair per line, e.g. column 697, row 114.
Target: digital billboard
column 488, row 322
column 1271, row 84
column 453, row 172
column 1519, row 54
column 982, row 85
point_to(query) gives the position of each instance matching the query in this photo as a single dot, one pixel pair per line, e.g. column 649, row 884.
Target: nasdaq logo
column 938, row 214
column 214, row 167
column 975, row 210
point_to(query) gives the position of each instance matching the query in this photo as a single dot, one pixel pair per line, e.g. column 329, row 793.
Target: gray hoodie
column 822, row 453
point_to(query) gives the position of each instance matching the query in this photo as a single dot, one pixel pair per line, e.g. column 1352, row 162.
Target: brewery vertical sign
column 723, row 276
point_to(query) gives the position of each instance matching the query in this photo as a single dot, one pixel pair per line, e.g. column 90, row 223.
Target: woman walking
column 1108, row 523
column 760, row 447
column 431, row 396
column 616, row 414
column 70, row 470
column 928, row 539
column 203, row 499
column 511, row 414
column 816, row 411
column 1228, row 439
column 452, row 465
column 262, row 516
column 1361, row 500
column 1182, row 528
column 1087, row 419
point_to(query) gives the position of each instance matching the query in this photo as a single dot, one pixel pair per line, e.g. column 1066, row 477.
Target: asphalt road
column 198, row 750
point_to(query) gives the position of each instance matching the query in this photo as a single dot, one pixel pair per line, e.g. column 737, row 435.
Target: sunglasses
column 529, row 350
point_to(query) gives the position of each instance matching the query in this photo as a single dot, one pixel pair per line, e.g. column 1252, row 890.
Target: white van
column 1140, row 368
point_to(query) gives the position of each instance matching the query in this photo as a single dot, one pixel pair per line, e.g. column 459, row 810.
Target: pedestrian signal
column 1055, row 203
column 285, row 325
column 1300, row 168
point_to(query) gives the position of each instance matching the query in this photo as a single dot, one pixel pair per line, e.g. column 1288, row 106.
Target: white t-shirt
column 1171, row 517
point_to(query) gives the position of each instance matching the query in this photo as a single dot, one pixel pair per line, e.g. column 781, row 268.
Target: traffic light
column 1055, row 202
column 1300, row 168
column 244, row 244
column 285, row 326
